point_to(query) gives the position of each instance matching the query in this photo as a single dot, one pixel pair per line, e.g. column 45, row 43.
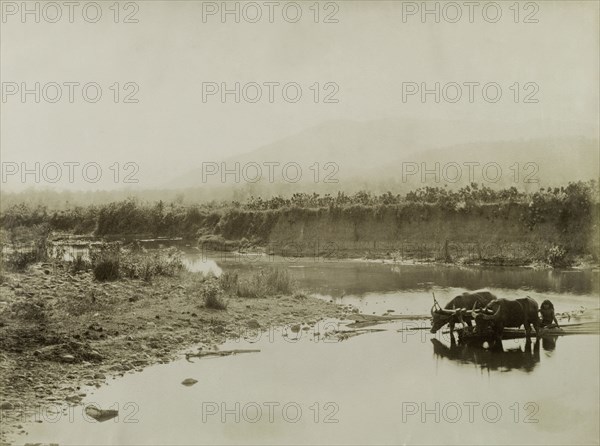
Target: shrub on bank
column 258, row 284
column 28, row 245
column 79, row 264
column 20, row 261
column 252, row 287
column 105, row 261
column 558, row 257
column 106, row 270
column 110, row 262
column 146, row 265
column 300, row 295
column 229, row 281
column 279, row 281
column 212, row 294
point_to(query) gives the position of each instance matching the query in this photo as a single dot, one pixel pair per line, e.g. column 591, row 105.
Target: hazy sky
column 368, row 54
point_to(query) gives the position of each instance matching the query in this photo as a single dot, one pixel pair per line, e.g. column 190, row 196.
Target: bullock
column 457, row 310
column 502, row 313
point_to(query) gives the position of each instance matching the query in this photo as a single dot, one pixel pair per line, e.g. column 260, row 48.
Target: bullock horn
column 473, row 310
column 448, row 312
column 493, row 316
column 487, row 308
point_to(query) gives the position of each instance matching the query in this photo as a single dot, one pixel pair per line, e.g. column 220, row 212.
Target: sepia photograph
column 309, row 222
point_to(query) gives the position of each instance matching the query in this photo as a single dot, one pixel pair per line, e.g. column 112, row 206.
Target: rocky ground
column 62, row 331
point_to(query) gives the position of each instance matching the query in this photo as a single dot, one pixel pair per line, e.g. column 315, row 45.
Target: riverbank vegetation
column 261, row 283
column 560, row 218
column 130, row 216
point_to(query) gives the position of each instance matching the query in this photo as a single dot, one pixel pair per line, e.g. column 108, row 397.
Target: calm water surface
column 385, row 387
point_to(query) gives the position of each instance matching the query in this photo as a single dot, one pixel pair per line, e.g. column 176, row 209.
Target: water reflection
column 549, row 343
column 344, row 277
column 368, row 382
column 198, row 265
column 339, row 277
column 494, row 357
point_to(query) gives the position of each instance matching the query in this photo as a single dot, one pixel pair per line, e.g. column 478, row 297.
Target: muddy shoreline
column 80, row 333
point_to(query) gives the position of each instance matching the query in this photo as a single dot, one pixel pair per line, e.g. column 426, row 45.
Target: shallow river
column 385, row 387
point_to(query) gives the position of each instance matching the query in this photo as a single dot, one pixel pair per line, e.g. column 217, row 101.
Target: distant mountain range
column 377, row 151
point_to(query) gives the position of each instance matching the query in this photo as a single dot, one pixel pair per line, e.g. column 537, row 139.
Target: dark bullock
column 457, row 310
column 502, row 313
